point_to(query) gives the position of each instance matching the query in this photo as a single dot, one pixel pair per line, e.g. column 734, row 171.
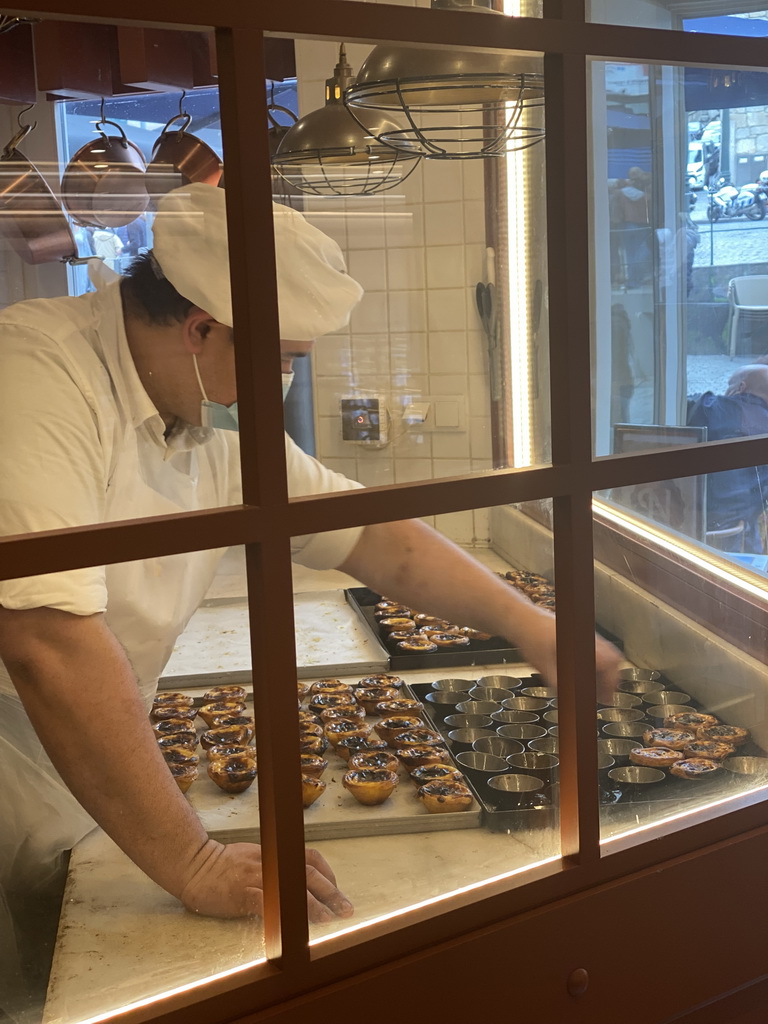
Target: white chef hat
column 315, row 293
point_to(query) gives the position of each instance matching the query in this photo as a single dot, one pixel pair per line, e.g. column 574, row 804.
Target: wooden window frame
column 267, row 519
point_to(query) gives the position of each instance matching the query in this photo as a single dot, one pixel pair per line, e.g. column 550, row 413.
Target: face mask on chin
column 214, row 414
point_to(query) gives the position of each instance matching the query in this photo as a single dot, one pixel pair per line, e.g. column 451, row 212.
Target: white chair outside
column 748, row 297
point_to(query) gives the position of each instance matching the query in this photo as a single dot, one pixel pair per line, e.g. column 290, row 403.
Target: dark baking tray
column 480, row 652
column 652, row 801
column 543, row 814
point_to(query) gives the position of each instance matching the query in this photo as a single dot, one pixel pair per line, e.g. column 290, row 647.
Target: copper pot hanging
column 179, row 158
column 31, row 220
column 104, row 184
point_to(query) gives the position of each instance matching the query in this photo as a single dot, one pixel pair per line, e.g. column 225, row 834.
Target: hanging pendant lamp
column 458, row 104
column 329, row 152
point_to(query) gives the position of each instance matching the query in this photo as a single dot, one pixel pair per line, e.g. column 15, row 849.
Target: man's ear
column 195, row 329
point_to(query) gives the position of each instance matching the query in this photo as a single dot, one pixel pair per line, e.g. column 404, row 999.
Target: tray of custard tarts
column 369, row 762
column 414, row 639
column 654, row 744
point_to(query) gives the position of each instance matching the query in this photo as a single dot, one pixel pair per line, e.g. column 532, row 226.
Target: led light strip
column 521, row 384
column 680, row 549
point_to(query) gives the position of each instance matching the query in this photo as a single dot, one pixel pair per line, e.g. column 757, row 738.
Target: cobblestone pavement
column 711, row 372
column 729, row 242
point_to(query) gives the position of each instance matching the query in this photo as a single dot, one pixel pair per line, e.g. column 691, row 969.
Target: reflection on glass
column 164, row 768
column 680, row 272
column 686, row 727
column 448, row 345
column 434, row 744
column 698, row 17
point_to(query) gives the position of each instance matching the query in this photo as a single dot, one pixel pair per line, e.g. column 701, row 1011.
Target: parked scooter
column 726, row 200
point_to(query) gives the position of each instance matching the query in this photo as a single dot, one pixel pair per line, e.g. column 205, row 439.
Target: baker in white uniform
column 112, row 407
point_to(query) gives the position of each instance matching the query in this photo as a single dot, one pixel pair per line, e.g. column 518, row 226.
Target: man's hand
column 227, row 882
column 540, row 649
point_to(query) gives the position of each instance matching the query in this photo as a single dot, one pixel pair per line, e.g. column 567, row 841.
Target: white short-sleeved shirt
column 81, row 443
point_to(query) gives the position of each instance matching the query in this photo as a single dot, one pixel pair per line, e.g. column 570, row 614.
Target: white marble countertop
column 123, row 939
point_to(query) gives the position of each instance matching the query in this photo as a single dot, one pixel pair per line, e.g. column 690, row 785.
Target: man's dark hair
column 150, row 297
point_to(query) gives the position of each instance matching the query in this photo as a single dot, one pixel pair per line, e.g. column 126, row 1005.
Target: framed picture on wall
column 678, row 504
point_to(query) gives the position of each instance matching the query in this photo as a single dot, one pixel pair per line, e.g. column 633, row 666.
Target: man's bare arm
column 79, row 691
column 410, row 562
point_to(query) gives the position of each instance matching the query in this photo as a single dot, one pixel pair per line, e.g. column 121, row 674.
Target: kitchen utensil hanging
column 104, row 184
column 179, row 158
column 31, row 219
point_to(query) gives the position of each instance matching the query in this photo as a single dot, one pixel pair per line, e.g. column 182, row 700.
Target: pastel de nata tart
column 336, row 731
column 417, row 645
column 711, row 750
column 396, row 624
column 311, row 729
column 217, row 693
column 374, row 759
column 179, row 699
column 224, row 734
column 303, row 690
column 673, row 739
column 354, row 713
column 422, row 619
column 655, row 757
column 186, row 739
column 171, row 725
column 313, row 765
column 733, row 734
column 695, row 768
column 415, row 757
column 176, row 754
column 351, row 745
column 475, row 634
column 424, row 773
column 311, row 789
column 449, row 640
column 690, row 721
column 233, row 773
column 162, row 712
column 399, row 706
column 309, row 718
column 312, row 744
column 330, row 686
column 370, row 786
column 183, row 774
column 369, row 699
column 381, row 679
column 444, row 797
column 416, row 738
column 227, row 749
column 388, row 728
column 319, row 702
column 385, row 609
column 220, row 707
column 242, row 720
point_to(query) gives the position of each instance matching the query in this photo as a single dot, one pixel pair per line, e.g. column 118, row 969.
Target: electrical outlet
column 363, row 420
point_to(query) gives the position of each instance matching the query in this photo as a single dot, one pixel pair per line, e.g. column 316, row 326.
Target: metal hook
column 28, row 128
column 21, row 134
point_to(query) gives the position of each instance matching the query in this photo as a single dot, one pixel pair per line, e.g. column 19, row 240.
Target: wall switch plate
column 363, row 420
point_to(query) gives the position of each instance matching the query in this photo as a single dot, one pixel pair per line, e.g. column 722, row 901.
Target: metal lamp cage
column 511, row 111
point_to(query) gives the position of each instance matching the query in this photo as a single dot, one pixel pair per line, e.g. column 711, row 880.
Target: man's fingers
column 315, row 859
column 323, row 892
column 254, row 902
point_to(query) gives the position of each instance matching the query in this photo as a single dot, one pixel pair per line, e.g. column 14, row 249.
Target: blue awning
column 728, row 26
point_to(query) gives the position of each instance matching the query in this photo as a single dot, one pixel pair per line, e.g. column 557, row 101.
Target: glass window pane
column 726, row 17
column 429, row 691
column 686, row 728
column 115, row 912
column 442, row 369
column 680, row 262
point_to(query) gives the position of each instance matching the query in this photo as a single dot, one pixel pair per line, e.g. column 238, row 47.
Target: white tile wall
column 418, row 251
